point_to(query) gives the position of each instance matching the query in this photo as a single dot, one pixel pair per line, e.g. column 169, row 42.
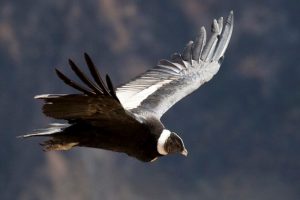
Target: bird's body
column 126, row 140
column 127, row 119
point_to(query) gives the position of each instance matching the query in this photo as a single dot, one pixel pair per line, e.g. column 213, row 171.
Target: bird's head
column 169, row 142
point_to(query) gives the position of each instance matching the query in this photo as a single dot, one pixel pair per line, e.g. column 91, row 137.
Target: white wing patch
column 155, row 91
column 131, row 99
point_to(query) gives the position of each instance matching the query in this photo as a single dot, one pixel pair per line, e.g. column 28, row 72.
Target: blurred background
column 241, row 128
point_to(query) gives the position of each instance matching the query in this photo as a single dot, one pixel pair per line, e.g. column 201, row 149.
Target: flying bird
column 127, row 119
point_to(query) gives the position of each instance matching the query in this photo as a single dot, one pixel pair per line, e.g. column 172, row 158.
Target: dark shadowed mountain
column 241, row 128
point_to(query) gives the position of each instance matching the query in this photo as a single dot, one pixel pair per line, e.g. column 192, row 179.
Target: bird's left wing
column 155, row 91
column 98, row 105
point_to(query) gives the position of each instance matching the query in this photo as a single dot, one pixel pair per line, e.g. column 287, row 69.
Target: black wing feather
column 95, row 73
column 111, row 87
column 103, row 89
column 94, row 106
column 83, row 78
column 73, row 84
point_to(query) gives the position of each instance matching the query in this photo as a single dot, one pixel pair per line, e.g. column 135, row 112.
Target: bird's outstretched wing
column 155, row 91
column 97, row 105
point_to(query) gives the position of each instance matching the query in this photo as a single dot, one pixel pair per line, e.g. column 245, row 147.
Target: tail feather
column 58, row 140
column 54, row 128
column 58, row 144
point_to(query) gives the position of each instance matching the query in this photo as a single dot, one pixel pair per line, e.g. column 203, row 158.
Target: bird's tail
column 57, row 142
column 53, row 129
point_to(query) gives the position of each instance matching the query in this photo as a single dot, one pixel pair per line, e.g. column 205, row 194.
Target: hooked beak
column 184, row 152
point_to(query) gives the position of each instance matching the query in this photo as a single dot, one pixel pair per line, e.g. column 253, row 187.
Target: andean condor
column 127, row 119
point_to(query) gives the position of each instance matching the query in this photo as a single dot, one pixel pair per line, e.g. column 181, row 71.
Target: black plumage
column 127, row 119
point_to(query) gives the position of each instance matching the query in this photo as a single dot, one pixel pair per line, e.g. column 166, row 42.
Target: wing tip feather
column 230, row 17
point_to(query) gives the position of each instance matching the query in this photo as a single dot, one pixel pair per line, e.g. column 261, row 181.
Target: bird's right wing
column 158, row 89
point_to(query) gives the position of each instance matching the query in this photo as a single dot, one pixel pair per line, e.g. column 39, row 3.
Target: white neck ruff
column 162, row 140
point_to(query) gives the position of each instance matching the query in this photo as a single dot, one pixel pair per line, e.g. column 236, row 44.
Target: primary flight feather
column 127, row 119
